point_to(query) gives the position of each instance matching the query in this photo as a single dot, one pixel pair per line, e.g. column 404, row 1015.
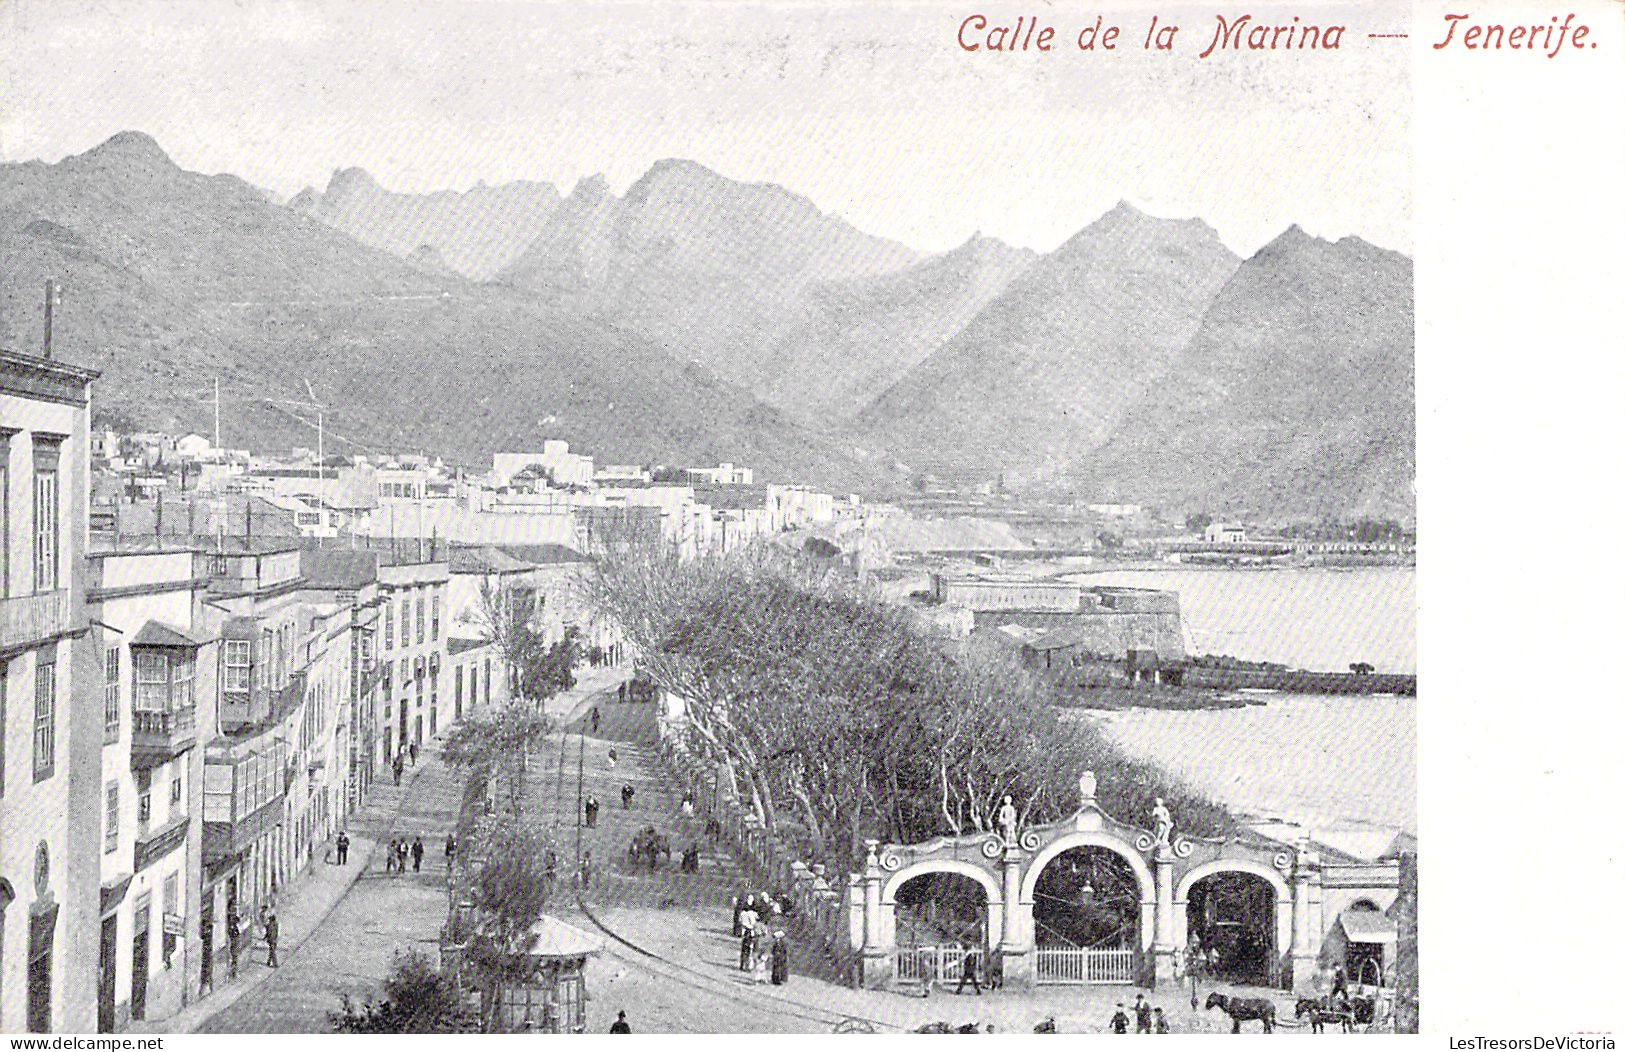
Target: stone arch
column 888, row 894
column 1268, row 874
column 990, row 887
column 1088, row 838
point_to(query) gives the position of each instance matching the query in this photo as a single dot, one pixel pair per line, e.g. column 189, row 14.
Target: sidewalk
column 302, row 904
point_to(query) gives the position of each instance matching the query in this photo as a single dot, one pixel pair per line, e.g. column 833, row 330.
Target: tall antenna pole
column 53, row 298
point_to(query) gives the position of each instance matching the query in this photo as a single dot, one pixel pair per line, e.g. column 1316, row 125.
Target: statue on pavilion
column 1007, row 821
column 1162, row 823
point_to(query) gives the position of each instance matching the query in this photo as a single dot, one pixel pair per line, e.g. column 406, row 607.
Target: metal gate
column 1077, row 965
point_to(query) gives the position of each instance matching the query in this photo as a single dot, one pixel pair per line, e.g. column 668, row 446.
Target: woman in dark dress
column 781, row 959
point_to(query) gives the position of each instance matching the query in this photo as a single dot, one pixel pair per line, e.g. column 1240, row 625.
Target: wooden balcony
column 157, row 737
column 27, row 620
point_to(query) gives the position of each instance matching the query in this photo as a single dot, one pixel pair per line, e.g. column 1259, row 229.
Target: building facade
column 50, row 749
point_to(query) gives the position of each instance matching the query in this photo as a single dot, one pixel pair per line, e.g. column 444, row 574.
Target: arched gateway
column 1089, row 899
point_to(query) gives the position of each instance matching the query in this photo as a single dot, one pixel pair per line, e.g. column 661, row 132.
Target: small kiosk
column 552, row 998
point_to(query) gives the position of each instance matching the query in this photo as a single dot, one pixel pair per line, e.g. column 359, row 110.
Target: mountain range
column 695, row 317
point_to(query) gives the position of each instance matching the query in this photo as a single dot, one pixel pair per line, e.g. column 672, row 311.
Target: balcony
column 157, row 737
column 27, row 620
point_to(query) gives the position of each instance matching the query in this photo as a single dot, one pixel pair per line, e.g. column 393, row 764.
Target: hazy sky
column 870, row 110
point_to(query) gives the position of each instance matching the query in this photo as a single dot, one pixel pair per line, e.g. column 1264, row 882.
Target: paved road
column 677, row 969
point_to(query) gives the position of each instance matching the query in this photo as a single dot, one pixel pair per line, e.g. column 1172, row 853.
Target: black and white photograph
column 704, row 517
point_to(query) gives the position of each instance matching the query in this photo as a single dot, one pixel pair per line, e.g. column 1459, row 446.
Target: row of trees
column 840, row 717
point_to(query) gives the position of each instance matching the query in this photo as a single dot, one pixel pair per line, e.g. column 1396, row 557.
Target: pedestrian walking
column 414, row 754
column 620, row 692
column 417, row 854
column 627, row 792
column 713, row 829
column 967, row 971
column 613, row 757
column 451, row 848
column 1142, row 1014
column 761, row 954
column 781, row 959
column 398, row 767
column 234, row 937
column 620, row 1025
column 747, row 933
column 586, row 870
column 550, row 869
column 1119, row 1024
column 591, row 809
column 272, row 931
column 402, row 849
column 389, row 857
column 1159, row 1024
column 688, row 805
column 343, row 845
column 595, row 718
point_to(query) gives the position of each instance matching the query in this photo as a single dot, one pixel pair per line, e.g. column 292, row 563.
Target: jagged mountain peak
column 132, row 150
column 347, row 181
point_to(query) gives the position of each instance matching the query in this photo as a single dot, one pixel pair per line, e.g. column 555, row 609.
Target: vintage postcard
column 701, row 517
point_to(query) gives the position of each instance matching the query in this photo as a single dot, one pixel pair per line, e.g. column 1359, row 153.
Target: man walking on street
column 591, row 808
column 397, row 767
column 271, row 934
column 234, row 937
column 595, row 719
column 414, row 754
column 627, row 793
column 451, row 848
column 967, row 971
column 586, row 870
column 620, row 1026
column 417, row 854
column 343, row 847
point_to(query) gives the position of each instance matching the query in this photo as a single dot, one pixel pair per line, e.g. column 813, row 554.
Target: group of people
column 1148, row 1018
column 400, row 852
column 270, row 930
column 764, row 949
column 408, row 752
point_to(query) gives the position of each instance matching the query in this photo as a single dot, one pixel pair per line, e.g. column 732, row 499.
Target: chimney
column 53, row 299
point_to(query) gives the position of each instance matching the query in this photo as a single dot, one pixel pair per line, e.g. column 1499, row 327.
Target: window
column 110, row 696
column 172, row 906
column 151, row 681
column 389, row 624
column 163, row 680
column 487, row 679
column 457, row 688
column 175, row 787
column 434, row 628
column 44, row 720
column 143, row 810
column 238, row 659
column 420, row 605
column 46, row 555
column 263, row 661
column 110, row 825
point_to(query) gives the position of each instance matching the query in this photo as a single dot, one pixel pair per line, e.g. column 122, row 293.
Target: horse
column 1320, row 1012
column 648, row 845
column 1242, row 1009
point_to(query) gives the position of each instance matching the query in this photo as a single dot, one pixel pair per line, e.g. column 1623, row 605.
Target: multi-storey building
column 155, row 656
column 413, row 649
column 349, row 580
column 249, row 846
column 50, row 750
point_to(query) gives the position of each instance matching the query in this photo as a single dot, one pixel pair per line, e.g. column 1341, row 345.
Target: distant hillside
column 1042, row 375
column 857, row 336
column 476, row 233
column 1295, row 397
column 702, row 266
column 172, row 278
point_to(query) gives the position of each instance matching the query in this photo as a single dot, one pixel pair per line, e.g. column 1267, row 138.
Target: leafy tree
column 503, row 875
column 510, row 618
column 1197, row 522
column 417, row 999
column 492, row 748
column 839, row 717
